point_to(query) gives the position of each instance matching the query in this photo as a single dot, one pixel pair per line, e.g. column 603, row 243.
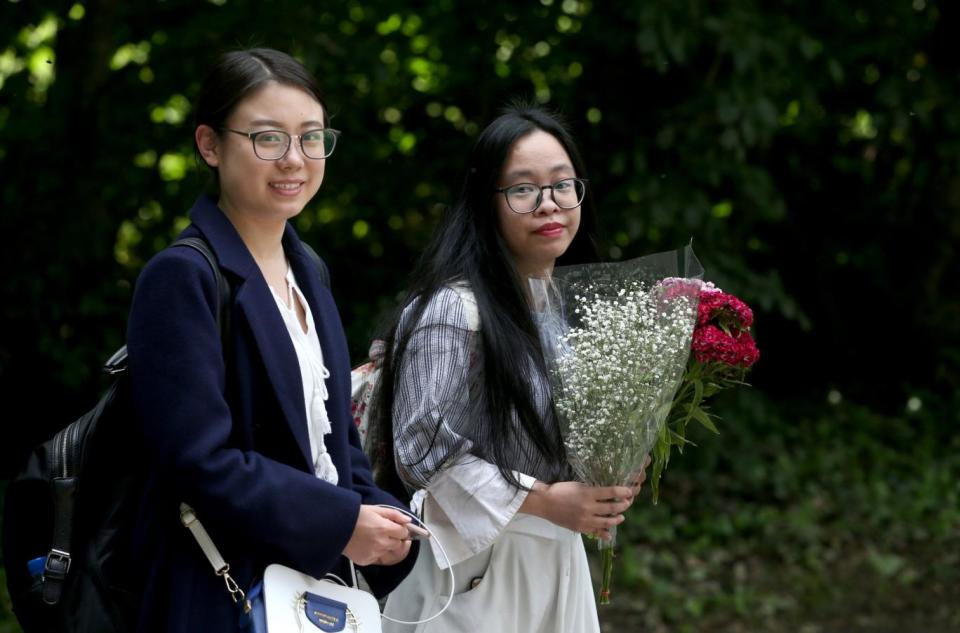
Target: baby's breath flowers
column 615, row 382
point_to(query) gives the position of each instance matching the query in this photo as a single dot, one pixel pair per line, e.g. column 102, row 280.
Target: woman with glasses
column 464, row 413
column 251, row 425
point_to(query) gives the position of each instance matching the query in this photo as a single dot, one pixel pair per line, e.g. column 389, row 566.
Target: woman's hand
column 582, row 508
column 579, row 507
column 636, row 481
column 380, row 537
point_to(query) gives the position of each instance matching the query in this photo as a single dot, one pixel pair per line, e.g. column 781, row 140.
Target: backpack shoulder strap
column 117, row 363
column 322, row 271
column 223, row 287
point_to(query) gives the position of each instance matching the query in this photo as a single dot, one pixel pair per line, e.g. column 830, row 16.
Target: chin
column 556, row 253
column 288, row 210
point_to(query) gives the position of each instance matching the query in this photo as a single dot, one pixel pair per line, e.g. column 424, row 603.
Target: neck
column 541, row 293
column 528, row 269
column 542, row 272
column 261, row 235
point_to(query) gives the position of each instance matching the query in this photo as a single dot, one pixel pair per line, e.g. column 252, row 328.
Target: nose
column 547, row 203
column 294, row 155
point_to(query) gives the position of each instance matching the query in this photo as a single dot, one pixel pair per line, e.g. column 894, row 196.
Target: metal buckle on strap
column 57, row 565
column 232, row 585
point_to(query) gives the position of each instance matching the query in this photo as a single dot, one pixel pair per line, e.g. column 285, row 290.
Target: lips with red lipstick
column 550, row 229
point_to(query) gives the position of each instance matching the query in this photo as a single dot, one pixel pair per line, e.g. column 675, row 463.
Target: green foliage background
column 810, row 149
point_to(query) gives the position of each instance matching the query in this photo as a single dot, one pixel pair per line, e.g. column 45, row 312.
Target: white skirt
column 533, row 579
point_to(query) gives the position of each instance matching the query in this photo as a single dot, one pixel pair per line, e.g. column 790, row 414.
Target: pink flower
column 674, row 287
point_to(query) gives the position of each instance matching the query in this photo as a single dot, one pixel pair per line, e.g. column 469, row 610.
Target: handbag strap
column 187, row 516
column 117, row 363
column 220, row 567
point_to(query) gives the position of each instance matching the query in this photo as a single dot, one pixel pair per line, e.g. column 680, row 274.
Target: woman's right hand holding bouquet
column 578, row 507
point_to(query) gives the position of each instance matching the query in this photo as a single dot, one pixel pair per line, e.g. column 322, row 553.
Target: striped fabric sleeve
column 468, row 500
column 431, row 401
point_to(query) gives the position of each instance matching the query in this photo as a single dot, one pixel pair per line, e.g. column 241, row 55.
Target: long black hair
column 467, row 246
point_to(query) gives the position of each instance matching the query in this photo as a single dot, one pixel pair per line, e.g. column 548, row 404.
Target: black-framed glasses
column 526, row 197
column 274, row 144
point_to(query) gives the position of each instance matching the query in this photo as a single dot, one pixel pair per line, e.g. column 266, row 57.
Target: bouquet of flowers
column 617, row 338
column 617, row 341
column 723, row 351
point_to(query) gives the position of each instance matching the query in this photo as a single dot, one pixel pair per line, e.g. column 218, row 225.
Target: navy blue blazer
column 230, row 438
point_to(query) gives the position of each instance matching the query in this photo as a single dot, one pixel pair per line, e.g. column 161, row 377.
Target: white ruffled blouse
column 313, row 374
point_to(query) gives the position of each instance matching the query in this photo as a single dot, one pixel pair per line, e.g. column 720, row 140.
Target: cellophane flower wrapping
column 617, row 340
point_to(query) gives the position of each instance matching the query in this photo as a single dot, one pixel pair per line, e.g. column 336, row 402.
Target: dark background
column 810, row 149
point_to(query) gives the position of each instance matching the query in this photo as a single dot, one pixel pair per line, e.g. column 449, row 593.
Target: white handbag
column 287, row 601
column 292, row 599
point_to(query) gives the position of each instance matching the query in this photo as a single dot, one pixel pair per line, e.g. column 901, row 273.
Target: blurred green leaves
column 810, row 151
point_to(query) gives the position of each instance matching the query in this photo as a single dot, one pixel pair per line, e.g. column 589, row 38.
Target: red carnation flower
column 711, row 344
column 747, row 351
column 724, row 309
column 722, row 350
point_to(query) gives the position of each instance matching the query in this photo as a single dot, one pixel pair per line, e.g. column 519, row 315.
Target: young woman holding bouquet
column 464, row 412
column 253, row 430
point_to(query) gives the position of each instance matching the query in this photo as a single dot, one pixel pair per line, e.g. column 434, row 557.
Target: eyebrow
column 277, row 124
column 518, row 173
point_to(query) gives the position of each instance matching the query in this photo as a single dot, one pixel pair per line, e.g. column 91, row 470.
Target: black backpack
column 69, row 514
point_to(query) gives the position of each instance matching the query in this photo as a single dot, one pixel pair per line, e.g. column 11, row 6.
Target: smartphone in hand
column 417, row 532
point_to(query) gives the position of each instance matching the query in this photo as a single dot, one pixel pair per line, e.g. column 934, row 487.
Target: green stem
column 606, row 555
column 685, row 387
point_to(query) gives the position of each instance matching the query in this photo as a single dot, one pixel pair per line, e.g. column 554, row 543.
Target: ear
column 208, row 144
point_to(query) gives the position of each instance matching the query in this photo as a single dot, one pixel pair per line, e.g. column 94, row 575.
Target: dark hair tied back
column 240, row 73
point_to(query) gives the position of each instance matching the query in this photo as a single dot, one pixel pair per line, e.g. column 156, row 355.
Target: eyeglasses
column 274, row 144
column 525, row 197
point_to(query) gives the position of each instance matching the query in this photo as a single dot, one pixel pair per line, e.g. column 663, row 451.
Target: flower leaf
column 703, row 418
